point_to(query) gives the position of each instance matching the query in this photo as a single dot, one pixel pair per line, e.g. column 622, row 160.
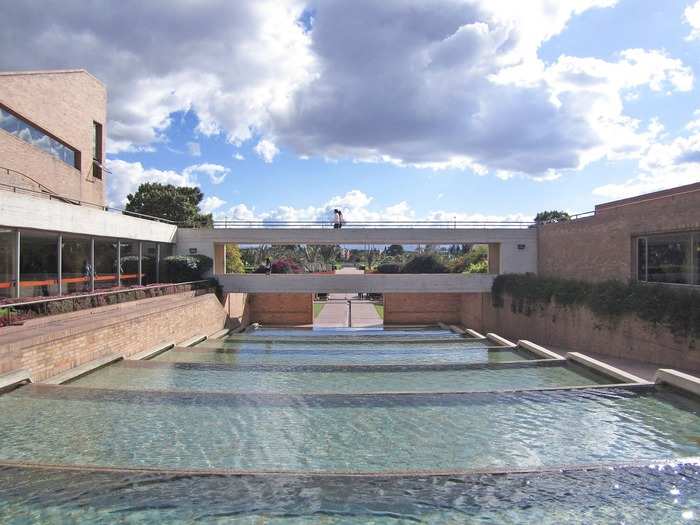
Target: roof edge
column 678, row 190
column 51, row 72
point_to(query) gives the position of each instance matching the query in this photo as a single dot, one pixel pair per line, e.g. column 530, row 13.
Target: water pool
column 238, row 431
column 345, row 433
column 137, row 375
column 669, row 494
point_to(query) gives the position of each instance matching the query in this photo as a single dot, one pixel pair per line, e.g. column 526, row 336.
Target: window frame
column 694, row 260
column 76, row 152
column 97, row 154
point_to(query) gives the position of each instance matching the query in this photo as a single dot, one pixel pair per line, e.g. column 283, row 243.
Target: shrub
column 678, row 309
column 286, row 266
column 389, row 268
column 182, row 268
column 424, row 264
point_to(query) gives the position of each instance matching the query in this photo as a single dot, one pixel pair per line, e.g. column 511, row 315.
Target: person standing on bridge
column 337, row 219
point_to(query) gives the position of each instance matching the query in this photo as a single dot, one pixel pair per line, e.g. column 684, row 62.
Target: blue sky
column 391, row 110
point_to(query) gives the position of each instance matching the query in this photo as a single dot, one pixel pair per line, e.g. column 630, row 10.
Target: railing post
column 119, row 262
column 92, row 264
column 17, row 265
column 139, row 265
column 60, row 264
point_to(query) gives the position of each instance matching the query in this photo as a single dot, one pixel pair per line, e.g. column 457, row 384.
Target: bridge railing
column 234, row 223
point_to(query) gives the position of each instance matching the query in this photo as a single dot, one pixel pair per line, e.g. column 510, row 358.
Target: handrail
column 232, row 223
column 50, row 194
column 97, row 294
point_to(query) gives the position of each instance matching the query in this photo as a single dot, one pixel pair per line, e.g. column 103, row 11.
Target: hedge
column 675, row 307
column 183, row 268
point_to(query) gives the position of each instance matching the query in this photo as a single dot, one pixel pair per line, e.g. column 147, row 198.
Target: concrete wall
column 579, row 330
column 52, row 345
column 236, row 306
column 370, row 283
column 64, row 103
column 23, row 211
column 601, row 247
column 281, row 308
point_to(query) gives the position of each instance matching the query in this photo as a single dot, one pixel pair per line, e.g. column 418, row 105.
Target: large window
column 22, row 129
column 38, row 272
column 671, row 258
column 97, row 151
column 76, row 264
column 105, row 263
column 8, row 261
column 129, row 262
column 149, row 261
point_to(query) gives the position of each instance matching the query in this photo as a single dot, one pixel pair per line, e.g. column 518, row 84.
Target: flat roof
column 50, row 72
column 678, row 190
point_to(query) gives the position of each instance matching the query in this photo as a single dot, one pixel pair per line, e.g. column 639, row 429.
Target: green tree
column 394, row 250
column 177, row 204
column 547, row 217
column 234, row 262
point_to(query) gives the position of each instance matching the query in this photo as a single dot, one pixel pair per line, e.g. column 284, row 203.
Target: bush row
column 432, row 264
column 676, row 308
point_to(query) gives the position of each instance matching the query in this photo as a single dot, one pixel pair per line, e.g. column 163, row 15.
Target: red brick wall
column 281, row 308
column 50, row 346
column 422, row 308
column 600, row 247
column 64, row 104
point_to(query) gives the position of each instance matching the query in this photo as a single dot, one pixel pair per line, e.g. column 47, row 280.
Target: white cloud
column 692, row 17
column 664, row 164
column 238, row 156
column 451, row 84
column 125, row 177
column 266, row 150
column 210, row 204
column 194, row 149
column 216, row 172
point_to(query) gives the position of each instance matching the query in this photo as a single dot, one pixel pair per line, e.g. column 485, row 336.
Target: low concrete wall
column 50, row 346
column 281, row 308
column 237, row 309
column 579, row 330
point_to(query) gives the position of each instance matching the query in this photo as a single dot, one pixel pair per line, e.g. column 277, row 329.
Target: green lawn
column 380, row 310
column 317, row 309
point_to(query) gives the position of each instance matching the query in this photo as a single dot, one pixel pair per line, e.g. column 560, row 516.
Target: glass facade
column 8, row 261
column 149, row 267
column 47, row 269
column 106, row 275
column 38, row 268
column 27, row 132
column 76, row 265
column 669, row 258
column 129, row 262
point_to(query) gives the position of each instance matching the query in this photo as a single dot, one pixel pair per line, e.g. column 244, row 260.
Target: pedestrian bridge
column 512, row 248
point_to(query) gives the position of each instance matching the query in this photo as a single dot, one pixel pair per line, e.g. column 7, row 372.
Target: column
column 60, row 264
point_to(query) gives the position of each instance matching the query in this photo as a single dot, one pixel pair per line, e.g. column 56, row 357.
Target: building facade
column 52, row 133
column 649, row 238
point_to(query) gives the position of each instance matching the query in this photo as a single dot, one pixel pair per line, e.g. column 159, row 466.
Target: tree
column 234, row 263
column 165, row 201
column 548, row 217
column 394, row 250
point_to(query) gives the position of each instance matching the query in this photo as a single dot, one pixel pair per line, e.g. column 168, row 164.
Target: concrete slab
column 500, row 340
column 333, row 315
column 474, row 334
column 679, row 380
column 220, row 334
column 364, row 315
column 152, row 352
column 604, row 368
column 192, row 340
column 14, row 379
column 79, row 371
column 539, row 350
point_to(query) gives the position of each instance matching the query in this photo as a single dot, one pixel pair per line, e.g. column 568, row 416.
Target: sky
column 391, row 110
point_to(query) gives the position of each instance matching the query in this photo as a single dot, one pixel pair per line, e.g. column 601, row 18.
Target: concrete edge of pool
column 388, row 474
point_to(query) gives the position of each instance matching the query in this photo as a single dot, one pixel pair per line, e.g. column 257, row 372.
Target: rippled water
column 333, row 355
column 166, row 376
column 344, row 432
column 627, row 495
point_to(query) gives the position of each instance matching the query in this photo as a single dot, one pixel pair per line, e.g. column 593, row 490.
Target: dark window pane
column 105, row 264
column 129, row 263
column 669, row 259
column 76, row 268
column 642, row 259
column 8, row 257
column 148, row 263
column 38, row 264
column 697, row 258
column 22, row 129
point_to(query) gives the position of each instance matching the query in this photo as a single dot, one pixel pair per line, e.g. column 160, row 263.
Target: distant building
column 52, row 133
